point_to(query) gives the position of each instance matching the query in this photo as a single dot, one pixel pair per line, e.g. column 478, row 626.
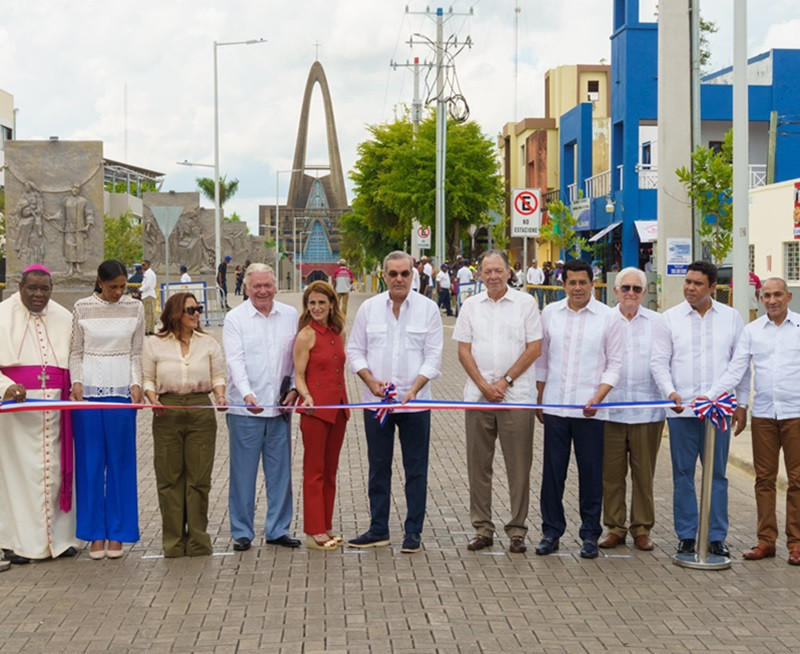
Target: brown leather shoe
column 480, row 542
column 794, row 556
column 611, row 541
column 518, row 545
column 644, row 543
column 760, row 551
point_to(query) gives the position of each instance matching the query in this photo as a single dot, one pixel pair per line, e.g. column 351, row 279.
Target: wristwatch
column 509, row 379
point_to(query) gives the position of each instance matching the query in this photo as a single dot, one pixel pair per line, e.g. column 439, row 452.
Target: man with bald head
column 772, row 344
column 37, row 518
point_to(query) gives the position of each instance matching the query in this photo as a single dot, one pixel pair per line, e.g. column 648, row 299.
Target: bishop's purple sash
column 57, row 378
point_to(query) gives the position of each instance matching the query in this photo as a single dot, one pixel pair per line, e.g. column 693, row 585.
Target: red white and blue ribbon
column 717, row 410
column 389, row 395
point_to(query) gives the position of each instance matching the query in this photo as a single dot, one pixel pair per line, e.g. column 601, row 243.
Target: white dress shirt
column 149, row 281
column 690, row 352
column 258, row 350
column 464, row 275
column 636, row 383
column 775, row 353
column 443, row 279
column 428, row 270
column 186, row 278
column 414, row 278
column 397, row 350
column 535, row 276
column 580, row 351
column 498, row 333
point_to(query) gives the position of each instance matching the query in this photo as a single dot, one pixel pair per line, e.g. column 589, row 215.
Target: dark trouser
column 183, row 456
column 444, row 300
column 414, row 430
column 586, row 434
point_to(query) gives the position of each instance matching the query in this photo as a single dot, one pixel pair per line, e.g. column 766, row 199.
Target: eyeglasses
column 627, row 288
column 193, row 310
column 402, row 273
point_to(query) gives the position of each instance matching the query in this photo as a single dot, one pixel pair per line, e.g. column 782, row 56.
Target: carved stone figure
column 29, row 242
column 78, row 218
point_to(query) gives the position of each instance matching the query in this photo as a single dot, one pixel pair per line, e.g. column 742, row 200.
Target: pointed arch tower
column 317, row 197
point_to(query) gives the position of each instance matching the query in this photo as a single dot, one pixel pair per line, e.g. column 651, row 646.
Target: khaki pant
column 183, row 456
column 149, row 314
column 515, row 431
column 343, row 299
column 635, row 446
column 769, row 436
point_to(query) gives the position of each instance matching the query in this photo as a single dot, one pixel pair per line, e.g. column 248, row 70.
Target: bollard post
column 701, row 559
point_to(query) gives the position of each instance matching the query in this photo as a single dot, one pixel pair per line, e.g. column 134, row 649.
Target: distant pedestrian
column 343, row 279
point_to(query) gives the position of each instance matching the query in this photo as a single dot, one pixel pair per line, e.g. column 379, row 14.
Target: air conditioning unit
column 593, row 96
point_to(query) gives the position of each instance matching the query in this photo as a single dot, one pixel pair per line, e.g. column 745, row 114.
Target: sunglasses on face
column 402, row 273
column 627, row 288
column 193, row 310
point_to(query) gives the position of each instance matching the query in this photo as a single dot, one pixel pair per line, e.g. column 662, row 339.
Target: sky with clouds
column 68, row 66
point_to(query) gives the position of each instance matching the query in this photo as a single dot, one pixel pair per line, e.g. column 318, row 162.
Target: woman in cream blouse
column 181, row 365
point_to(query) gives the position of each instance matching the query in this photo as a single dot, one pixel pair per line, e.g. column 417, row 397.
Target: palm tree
column 226, row 189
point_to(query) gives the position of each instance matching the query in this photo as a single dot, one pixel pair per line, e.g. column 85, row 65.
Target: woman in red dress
column 319, row 364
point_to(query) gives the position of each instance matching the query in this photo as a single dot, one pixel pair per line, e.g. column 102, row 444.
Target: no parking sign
column 526, row 212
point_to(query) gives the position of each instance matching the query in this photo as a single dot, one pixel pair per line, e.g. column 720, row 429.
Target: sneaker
column 411, row 543
column 369, row 540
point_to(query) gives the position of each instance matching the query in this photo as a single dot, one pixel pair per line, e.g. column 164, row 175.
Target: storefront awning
column 604, row 231
column 647, row 229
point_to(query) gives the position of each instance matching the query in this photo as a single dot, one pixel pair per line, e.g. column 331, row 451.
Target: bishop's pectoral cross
column 43, row 377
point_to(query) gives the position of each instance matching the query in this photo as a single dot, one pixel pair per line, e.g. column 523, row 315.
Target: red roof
column 327, row 268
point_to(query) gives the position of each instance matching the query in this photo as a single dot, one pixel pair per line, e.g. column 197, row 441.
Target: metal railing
column 598, row 186
column 547, row 294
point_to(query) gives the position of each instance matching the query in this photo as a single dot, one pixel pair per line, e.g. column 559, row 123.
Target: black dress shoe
column 284, row 541
column 719, row 548
column 686, row 546
column 70, row 551
column 16, row 559
column 589, row 549
column 547, row 546
column 241, row 544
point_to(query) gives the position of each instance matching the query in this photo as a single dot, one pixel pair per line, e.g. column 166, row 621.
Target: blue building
column 629, row 186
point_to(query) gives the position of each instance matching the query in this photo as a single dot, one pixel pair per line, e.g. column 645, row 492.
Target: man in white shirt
column 185, row 276
column 258, row 337
column 581, row 362
column 427, row 270
column 632, row 436
column 443, row 289
column 464, row 274
column 535, row 277
column 343, row 279
column 414, row 277
column 148, row 293
column 691, row 350
column 772, row 344
column 499, row 337
column 396, row 339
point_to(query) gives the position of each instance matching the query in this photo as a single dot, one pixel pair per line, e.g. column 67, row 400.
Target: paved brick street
column 444, row 599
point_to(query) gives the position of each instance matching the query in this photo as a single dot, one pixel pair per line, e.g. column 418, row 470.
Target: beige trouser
column 343, row 299
column 637, row 446
column 149, row 314
column 515, row 431
column 769, row 436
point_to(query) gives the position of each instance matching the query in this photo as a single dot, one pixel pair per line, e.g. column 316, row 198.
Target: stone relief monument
column 52, row 189
column 191, row 243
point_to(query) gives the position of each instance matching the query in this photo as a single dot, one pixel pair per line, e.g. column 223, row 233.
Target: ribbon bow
column 389, row 395
column 718, row 410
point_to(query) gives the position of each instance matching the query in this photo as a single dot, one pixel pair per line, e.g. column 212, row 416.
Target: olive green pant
column 184, row 441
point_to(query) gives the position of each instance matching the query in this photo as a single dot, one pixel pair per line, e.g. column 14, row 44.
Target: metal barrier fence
column 547, row 294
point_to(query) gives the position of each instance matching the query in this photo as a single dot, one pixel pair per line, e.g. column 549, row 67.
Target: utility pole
column 441, row 120
column 416, row 117
column 694, row 39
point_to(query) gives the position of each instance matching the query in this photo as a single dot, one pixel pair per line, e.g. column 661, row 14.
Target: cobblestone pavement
column 444, row 599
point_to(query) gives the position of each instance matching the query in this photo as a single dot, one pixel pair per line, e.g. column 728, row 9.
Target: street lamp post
column 217, row 212
column 277, row 210
column 300, row 258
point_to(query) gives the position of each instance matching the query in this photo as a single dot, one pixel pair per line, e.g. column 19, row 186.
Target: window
column 316, row 248
column 593, row 86
column 647, row 153
column 791, row 261
column 715, row 146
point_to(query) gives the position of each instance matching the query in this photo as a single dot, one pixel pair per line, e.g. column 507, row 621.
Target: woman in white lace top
column 105, row 363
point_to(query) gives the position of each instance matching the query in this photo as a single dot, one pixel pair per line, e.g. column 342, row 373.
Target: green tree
column 226, row 189
column 395, row 182
column 123, row 238
column 560, row 230
column 708, row 184
column 122, row 187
